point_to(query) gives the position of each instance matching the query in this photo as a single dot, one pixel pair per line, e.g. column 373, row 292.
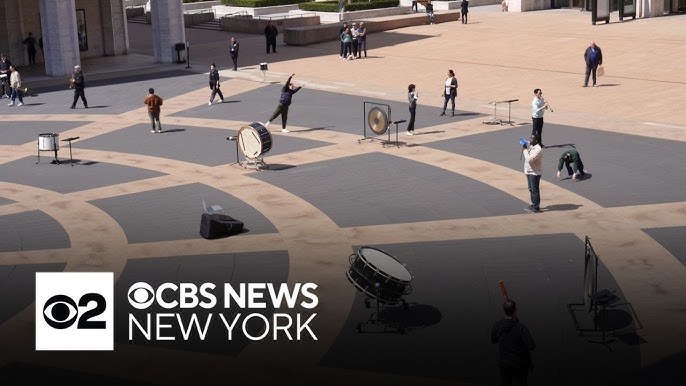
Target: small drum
column 379, row 275
column 254, row 140
column 48, row 142
column 264, row 66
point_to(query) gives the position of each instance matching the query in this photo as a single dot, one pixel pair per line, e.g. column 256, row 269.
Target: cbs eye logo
column 60, row 312
column 141, row 295
column 74, row 311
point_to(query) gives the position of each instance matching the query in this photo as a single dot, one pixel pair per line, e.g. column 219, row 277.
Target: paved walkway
column 497, row 56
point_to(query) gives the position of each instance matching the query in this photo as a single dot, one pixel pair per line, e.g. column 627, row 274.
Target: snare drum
column 379, row 275
column 48, row 142
column 264, row 66
column 254, row 140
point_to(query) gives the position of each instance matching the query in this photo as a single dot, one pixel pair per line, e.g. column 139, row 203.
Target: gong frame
column 367, row 106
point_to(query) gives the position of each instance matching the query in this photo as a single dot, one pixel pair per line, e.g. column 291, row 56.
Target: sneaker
column 441, row 114
column 209, row 103
column 10, row 104
column 285, row 131
column 153, row 131
column 531, row 209
column 408, row 133
column 20, row 104
column 221, row 101
column 452, row 114
column 159, row 131
column 72, row 107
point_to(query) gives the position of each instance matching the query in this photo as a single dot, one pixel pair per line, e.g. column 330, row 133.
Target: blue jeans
column 534, row 189
column 451, row 98
column 17, row 93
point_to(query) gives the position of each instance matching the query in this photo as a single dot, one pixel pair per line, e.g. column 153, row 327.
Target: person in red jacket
column 154, row 102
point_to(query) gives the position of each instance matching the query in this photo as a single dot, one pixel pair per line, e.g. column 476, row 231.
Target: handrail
column 287, row 16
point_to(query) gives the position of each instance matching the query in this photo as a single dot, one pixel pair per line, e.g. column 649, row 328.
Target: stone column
column 60, row 42
column 11, row 33
column 167, row 28
column 114, row 30
column 649, row 8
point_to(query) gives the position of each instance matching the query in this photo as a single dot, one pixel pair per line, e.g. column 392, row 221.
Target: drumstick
column 503, row 290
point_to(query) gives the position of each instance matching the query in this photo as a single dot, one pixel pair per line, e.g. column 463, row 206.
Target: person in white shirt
column 538, row 107
column 450, row 92
column 15, row 82
column 533, row 168
column 412, row 96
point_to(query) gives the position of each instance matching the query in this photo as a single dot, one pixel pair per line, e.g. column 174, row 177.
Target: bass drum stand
column 377, row 323
column 255, row 163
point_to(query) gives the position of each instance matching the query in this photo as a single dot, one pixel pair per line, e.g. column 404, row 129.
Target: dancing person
column 79, row 84
column 154, row 102
column 284, row 102
column 30, row 42
column 593, row 57
column 270, row 32
column 412, row 96
column 15, row 82
column 5, row 76
column 233, row 50
column 214, row 85
column 450, row 92
column 538, row 107
column 464, row 9
column 514, row 346
column 533, row 168
column 571, row 159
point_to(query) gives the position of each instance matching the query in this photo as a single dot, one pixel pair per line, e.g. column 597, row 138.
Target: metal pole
column 188, row 54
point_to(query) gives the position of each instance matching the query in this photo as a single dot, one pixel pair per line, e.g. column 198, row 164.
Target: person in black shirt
column 284, row 101
column 5, row 73
column 31, row 47
column 233, row 49
column 430, row 11
column 464, row 9
column 79, row 85
column 214, row 85
column 514, row 344
column 270, row 32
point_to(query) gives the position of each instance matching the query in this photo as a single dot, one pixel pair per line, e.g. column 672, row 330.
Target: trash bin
column 179, row 47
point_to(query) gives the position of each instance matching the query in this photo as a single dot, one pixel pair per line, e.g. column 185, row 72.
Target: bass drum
column 254, row 140
column 379, row 275
column 48, row 142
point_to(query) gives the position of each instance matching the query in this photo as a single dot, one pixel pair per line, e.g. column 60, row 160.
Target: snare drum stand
column 56, row 161
column 255, row 163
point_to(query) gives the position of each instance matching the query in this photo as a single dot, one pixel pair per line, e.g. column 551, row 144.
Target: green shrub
column 332, row 6
column 258, row 3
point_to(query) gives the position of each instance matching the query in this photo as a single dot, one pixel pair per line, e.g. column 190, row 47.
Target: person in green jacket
column 571, row 159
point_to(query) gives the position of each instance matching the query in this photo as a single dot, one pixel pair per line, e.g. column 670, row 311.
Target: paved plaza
column 447, row 202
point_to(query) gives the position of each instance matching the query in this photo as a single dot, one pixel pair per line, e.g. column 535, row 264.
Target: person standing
column 15, row 82
column 412, row 96
column 430, row 11
column 284, row 102
column 571, row 159
column 464, row 9
column 343, row 28
column 362, row 33
column 214, row 85
column 356, row 36
column 533, row 168
column 233, row 50
column 346, row 39
column 415, row 7
column 593, row 57
column 31, row 48
column 270, row 32
column 450, row 92
column 154, row 102
column 5, row 76
column 79, row 84
column 514, row 346
column 538, row 107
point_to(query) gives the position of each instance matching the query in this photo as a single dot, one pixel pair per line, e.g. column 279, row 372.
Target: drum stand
column 56, row 161
column 255, row 163
column 376, row 322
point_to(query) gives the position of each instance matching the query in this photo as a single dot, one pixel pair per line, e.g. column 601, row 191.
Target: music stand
column 71, row 159
column 235, row 140
column 497, row 121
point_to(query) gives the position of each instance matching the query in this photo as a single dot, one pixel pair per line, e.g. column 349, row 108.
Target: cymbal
column 377, row 121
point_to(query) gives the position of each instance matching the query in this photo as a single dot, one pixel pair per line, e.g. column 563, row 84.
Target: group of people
column 353, row 41
column 11, row 82
column 429, row 7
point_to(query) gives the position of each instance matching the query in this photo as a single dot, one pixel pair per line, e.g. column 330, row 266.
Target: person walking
column 154, row 102
column 284, row 102
column 412, row 96
column 593, row 56
column 571, row 159
column 214, row 85
column 79, row 84
column 450, row 92
column 538, row 107
column 15, row 82
column 233, row 50
column 30, row 43
column 533, row 169
column 464, row 10
column 514, row 346
column 270, row 32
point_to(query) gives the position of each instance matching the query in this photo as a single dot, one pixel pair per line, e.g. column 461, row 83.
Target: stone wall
column 248, row 24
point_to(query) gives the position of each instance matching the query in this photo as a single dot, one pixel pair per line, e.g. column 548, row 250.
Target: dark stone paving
column 315, row 109
column 456, row 299
column 673, row 239
column 5, row 201
column 376, row 188
column 28, row 231
column 65, row 179
column 234, row 268
column 32, row 374
column 174, row 213
column 624, row 169
column 111, row 96
column 205, row 146
column 18, row 286
column 19, row 133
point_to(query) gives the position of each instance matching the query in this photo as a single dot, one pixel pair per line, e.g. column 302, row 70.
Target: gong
column 377, row 120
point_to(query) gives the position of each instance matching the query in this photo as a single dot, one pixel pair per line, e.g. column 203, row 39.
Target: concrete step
column 210, row 25
column 138, row 19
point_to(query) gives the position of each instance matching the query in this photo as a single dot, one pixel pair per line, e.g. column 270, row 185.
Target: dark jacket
column 599, row 57
column 453, row 90
column 287, row 93
column 270, row 32
column 464, row 6
column 233, row 48
column 214, row 77
column 574, row 160
column 79, row 81
column 514, row 342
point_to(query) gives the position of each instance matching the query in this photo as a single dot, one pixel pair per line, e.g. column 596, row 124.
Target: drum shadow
column 401, row 319
column 277, row 167
column 89, row 163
